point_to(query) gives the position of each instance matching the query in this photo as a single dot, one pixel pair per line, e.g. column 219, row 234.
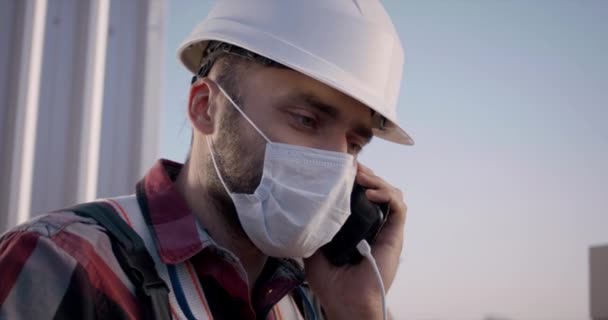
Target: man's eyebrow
column 312, row 101
column 333, row 112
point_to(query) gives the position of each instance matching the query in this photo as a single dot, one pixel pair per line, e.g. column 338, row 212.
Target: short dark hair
column 229, row 68
column 232, row 60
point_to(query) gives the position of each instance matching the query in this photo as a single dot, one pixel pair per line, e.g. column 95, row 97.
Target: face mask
column 302, row 200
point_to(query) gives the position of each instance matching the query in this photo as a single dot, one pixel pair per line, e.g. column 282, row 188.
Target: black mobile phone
column 364, row 222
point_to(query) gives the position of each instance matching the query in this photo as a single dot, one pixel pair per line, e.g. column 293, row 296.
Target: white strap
column 195, row 297
column 286, row 308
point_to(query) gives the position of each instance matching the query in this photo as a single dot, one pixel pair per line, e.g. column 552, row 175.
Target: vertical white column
column 67, row 140
column 151, row 100
column 11, row 19
column 121, row 104
column 58, row 108
column 79, row 100
column 129, row 134
column 26, row 104
column 93, row 100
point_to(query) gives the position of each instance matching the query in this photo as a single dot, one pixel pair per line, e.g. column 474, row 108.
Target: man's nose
column 337, row 143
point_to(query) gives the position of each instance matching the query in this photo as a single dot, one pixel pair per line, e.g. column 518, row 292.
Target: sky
column 507, row 183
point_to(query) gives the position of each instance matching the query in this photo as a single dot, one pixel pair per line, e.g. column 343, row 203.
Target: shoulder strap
column 133, row 257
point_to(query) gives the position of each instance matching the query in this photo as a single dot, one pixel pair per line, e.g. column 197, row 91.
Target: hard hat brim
column 190, row 53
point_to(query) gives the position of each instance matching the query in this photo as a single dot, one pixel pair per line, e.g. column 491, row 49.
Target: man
column 285, row 96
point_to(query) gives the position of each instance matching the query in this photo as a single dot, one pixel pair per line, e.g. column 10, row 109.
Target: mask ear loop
column 217, row 169
column 243, row 114
column 210, row 141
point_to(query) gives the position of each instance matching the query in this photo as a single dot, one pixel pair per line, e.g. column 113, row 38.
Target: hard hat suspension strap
column 216, row 49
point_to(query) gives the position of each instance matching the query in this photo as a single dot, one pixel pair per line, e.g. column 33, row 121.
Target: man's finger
column 364, row 168
column 378, row 195
column 370, row 180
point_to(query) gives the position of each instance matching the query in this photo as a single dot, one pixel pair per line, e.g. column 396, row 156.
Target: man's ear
column 199, row 105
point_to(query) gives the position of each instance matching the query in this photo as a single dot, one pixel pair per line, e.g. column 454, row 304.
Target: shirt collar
column 176, row 231
column 173, row 225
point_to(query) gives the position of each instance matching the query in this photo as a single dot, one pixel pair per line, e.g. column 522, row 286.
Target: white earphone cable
column 366, row 251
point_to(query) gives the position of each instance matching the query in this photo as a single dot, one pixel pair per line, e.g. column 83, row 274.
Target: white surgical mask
column 302, row 200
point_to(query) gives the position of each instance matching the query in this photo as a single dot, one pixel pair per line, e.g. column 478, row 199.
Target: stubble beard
column 239, row 158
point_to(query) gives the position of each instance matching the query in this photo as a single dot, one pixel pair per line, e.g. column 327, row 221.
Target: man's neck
column 212, row 217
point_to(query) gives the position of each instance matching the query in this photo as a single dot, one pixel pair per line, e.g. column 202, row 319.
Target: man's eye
column 305, row 121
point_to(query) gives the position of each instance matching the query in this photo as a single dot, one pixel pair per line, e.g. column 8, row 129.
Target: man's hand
column 352, row 291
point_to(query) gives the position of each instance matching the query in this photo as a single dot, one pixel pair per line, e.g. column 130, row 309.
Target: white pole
column 27, row 109
column 93, row 101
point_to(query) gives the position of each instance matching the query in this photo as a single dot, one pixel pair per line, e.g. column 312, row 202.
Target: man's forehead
column 363, row 119
column 292, row 86
column 335, row 107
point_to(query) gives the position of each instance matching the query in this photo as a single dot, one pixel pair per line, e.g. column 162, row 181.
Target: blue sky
column 506, row 186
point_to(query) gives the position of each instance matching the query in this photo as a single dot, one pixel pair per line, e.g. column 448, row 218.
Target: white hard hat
column 350, row 45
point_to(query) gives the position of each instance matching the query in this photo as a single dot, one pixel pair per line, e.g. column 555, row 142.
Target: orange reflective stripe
column 199, row 290
column 279, row 316
column 120, row 209
column 295, row 307
column 173, row 313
